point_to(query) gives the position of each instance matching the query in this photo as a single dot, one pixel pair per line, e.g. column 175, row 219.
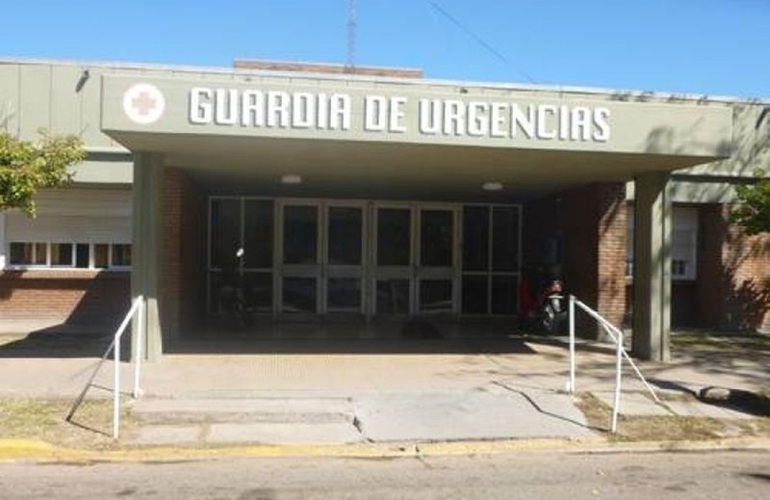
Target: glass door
column 300, row 258
column 343, row 258
column 394, row 260
column 258, row 231
column 436, row 265
column 224, row 241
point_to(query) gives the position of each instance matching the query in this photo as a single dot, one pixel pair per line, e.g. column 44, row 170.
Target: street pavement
column 321, row 391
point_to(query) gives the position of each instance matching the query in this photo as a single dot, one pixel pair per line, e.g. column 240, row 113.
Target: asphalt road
column 531, row 475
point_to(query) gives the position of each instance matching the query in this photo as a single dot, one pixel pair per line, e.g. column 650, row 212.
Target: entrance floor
column 416, row 335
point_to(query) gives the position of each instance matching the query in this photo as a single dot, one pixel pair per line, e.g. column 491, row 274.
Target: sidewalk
column 373, row 393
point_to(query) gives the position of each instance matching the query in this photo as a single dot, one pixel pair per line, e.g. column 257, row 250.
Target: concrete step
column 304, row 410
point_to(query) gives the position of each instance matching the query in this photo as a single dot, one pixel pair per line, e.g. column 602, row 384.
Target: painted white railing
column 620, row 352
column 114, row 347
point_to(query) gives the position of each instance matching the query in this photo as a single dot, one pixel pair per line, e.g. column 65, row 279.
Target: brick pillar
column 611, row 250
column 595, row 248
column 183, row 247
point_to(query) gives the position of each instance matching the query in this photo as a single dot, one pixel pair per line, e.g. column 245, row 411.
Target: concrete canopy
column 403, row 137
column 234, row 165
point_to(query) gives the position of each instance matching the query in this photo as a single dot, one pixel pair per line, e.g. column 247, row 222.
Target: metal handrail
column 620, row 352
column 138, row 305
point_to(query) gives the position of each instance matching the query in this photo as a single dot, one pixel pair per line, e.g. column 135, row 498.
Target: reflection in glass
column 394, row 237
column 61, row 254
column 393, row 296
column 21, row 254
column 101, row 256
column 344, row 293
column 258, row 290
column 475, row 294
column 261, row 289
column 475, row 238
column 505, row 297
column 82, row 254
column 258, row 234
column 435, row 295
column 505, row 235
column 300, row 234
column 225, row 232
column 436, row 240
column 299, row 295
column 345, row 228
column 121, row 254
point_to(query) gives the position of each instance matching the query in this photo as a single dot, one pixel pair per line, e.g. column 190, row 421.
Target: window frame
column 48, row 265
column 684, row 221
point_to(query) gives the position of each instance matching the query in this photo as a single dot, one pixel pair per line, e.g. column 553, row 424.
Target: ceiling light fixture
column 492, row 186
column 291, row 179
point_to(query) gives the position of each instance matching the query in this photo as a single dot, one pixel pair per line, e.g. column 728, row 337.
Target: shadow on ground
column 72, row 341
column 61, row 341
column 736, row 399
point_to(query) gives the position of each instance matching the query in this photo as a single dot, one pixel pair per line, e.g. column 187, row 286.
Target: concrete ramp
column 491, row 413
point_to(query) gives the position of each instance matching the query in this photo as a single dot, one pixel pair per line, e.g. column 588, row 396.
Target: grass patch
column 91, row 426
column 728, row 342
column 667, row 428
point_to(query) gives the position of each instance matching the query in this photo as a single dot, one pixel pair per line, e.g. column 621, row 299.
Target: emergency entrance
column 310, row 258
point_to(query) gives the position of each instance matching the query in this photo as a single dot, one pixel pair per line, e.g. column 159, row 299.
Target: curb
column 13, row 450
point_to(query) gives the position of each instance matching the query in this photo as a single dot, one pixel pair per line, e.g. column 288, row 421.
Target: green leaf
column 25, row 167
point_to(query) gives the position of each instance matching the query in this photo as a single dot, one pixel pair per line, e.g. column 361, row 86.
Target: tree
column 26, row 167
column 753, row 209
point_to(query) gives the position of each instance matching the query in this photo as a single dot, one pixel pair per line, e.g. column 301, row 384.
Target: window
column 683, row 248
column 684, row 239
column 121, row 256
column 28, row 254
column 490, row 265
column 101, row 256
column 70, row 255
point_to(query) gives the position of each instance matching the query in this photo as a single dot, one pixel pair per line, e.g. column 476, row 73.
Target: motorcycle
column 551, row 313
column 544, row 312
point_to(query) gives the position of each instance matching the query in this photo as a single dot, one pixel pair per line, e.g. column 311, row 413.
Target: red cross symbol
column 143, row 103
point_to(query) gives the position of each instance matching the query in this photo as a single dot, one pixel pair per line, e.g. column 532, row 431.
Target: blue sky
column 716, row 47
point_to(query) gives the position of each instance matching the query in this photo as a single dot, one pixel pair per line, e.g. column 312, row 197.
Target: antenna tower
column 352, row 28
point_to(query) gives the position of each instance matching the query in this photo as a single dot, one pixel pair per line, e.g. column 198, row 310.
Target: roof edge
column 637, row 95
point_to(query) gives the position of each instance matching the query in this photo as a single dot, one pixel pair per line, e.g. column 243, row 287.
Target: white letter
column 498, row 119
column 478, row 121
column 564, row 121
column 581, row 124
column 226, row 107
column 340, row 112
column 521, row 121
column 396, row 123
column 302, row 110
column 602, row 124
column 200, row 112
column 253, row 108
column 430, row 116
column 454, row 118
column 375, row 113
column 277, row 109
column 322, row 111
column 542, row 115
